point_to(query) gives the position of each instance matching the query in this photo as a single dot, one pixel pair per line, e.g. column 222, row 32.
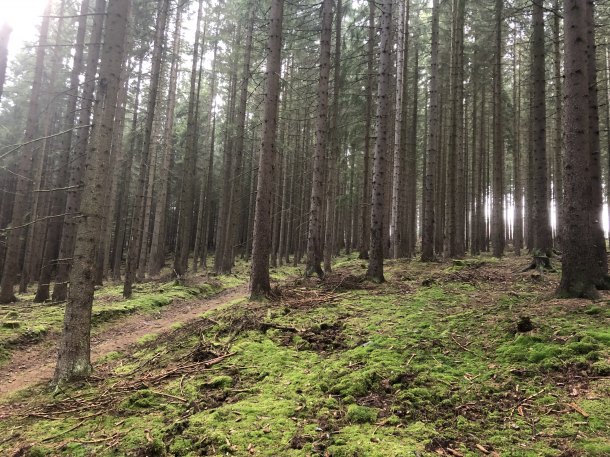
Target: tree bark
column 334, row 150
column 597, row 201
column 453, row 246
column 315, row 238
column 497, row 215
column 579, row 271
column 238, row 153
column 543, row 241
column 133, row 255
column 429, row 222
column 187, row 193
column 52, row 245
column 74, row 360
column 400, row 119
column 411, row 163
column 375, row 268
column 259, row 276
column 77, row 165
column 156, row 256
column 517, row 168
column 24, row 168
column 558, row 141
column 365, row 228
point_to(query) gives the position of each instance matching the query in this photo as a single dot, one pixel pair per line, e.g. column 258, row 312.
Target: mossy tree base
column 540, row 263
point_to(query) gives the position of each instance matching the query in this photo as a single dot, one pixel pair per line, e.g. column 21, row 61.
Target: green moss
column 361, row 414
column 584, row 346
column 355, row 384
column 596, row 447
column 531, row 349
column 229, row 281
column 110, row 356
column 440, row 361
column 601, row 368
column 11, row 324
column 181, row 447
column 148, row 338
column 594, row 311
column 36, row 332
column 36, row 451
column 141, row 399
column 220, row 382
column 602, row 336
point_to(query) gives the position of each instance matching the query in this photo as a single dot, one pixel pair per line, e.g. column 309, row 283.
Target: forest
column 304, row 228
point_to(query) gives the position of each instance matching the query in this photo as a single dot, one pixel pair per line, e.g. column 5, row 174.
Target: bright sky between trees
column 24, row 17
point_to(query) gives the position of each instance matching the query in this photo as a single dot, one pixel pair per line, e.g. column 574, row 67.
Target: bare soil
column 34, row 364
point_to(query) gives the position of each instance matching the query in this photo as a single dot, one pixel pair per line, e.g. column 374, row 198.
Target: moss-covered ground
column 25, row 323
column 458, row 359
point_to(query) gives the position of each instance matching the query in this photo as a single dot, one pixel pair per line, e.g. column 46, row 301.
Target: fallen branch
column 525, row 400
column 50, row 438
column 173, row 397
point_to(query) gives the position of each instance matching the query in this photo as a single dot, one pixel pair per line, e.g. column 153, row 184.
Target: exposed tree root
column 540, row 263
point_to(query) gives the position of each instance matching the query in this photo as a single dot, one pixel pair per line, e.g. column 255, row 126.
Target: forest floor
column 459, row 359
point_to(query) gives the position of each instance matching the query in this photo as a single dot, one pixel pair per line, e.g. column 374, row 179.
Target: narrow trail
column 35, row 364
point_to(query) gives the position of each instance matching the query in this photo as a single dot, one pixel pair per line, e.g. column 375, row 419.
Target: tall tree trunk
column 205, row 197
column 365, row 228
column 51, row 249
column 497, row 211
column 580, row 270
column 206, row 201
column 225, row 198
column 558, row 142
column 259, row 276
column 543, row 240
column 400, row 119
column 24, row 168
column 597, row 200
column 238, row 153
column 315, row 236
column 119, row 163
column 607, row 78
column 334, row 151
column 411, row 162
column 517, row 168
column 77, row 165
column 453, row 248
column 74, row 360
column 375, row 268
column 429, row 190
column 460, row 140
column 121, row 228
column 156, row 256
column 147, row 151
column 476, row 126
column 187, row 193
column 35, row 235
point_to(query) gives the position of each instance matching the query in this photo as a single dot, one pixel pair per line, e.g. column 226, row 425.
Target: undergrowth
column 447, row 359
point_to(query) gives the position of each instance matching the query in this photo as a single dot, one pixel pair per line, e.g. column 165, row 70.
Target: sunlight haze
column 24, row 17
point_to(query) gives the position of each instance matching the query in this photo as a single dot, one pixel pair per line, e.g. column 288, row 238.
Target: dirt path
column 35, row 364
